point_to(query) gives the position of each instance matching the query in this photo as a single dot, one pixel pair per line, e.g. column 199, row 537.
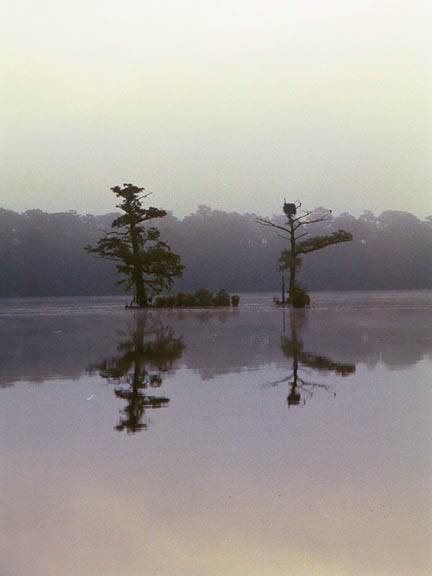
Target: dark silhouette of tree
column 291, row 259
column 148, row 351
column 292, row 347
column 148, row 263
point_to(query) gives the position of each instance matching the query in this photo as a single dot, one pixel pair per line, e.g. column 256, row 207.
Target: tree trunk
column 140, row 293
column 292, row 261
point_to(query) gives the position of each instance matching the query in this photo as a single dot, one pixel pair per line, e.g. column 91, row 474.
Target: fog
column 234, row 105
column 42, row 254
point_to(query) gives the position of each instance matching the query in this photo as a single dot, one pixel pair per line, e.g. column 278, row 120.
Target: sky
column 235, row 104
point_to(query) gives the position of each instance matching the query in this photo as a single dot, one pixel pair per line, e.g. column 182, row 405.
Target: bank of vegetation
column 202, row 298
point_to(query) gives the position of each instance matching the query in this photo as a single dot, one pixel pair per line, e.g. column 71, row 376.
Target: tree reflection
column 149, row 350
column 293, row 347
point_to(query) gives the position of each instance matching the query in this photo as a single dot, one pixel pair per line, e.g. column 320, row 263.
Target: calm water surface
column 249, row 442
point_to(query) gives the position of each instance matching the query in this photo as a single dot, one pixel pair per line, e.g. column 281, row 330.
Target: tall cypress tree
column 148, row 264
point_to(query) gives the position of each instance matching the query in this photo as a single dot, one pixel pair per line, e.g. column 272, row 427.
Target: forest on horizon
column 42, row 254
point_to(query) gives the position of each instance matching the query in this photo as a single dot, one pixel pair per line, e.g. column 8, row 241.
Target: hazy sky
column 235, row 104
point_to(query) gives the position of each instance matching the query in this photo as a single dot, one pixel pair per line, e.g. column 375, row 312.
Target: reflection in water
column 293, row 348
column 228, row 485
column 149, row 350
column 40, row 347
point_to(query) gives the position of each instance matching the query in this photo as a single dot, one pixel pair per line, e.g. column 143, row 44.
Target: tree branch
column 301, row 236
column 319, row 242
column 272, row 224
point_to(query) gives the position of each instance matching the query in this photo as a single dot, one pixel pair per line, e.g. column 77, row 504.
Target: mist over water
column 242, row 442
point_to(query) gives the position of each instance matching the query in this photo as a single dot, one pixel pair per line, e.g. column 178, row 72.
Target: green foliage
column 222, row 298
column 202, row 298
column 300, row 297
column 286, row 260
column 185, row 300
column 319, row 242
column 311, row 245
column 235, row 299
column 146, row 262
column 165, row 302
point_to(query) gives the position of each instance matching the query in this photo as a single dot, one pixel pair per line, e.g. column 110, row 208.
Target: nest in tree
column 289, row 209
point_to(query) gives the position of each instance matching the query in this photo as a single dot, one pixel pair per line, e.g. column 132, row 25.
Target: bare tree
column 297, row 221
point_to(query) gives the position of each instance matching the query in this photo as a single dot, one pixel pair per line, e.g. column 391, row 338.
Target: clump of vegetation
column 300, row 297
column 235, row 299
column 203, row 298
column 222, row 298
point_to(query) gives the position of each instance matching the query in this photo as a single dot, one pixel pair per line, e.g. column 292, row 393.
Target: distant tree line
column 41, row 254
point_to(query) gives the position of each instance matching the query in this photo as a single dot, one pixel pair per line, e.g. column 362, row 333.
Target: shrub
column 165, row 302
column 204, row 297
column 222, row 298
column 301, row 298
column 185, row 300
column 235, row 299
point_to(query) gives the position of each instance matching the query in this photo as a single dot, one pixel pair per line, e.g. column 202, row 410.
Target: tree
column 291, row 259
column 145, row 260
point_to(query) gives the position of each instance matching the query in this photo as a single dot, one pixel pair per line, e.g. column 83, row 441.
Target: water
column 247, row 442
